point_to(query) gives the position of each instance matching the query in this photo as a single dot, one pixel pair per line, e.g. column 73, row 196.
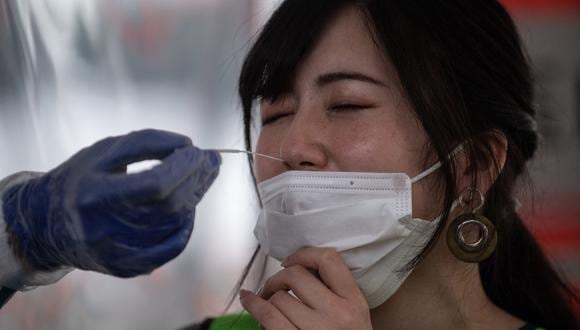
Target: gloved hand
column 90, row 214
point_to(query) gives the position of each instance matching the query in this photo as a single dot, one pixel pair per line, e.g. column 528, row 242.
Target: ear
column 485, row 163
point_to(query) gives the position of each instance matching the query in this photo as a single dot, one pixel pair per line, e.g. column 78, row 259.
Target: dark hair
column 463, row 69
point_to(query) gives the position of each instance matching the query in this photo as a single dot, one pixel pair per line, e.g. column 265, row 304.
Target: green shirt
column 247, row 322
column 235, row 322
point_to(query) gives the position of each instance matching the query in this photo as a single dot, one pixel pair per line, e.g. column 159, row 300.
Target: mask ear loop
column 436, row 166
column 428, row 172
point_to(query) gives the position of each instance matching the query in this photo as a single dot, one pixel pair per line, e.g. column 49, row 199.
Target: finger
column 305, row 285
column 209, row 180
column 139, row 227
column 125, row 261
column 330, row 267
column 141, row 145
column 264, row 312
column 190, row 193
column 159, row 182
column 148, row 230
column 300, row 315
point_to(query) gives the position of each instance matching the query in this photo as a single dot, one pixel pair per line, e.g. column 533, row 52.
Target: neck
column 442, row 293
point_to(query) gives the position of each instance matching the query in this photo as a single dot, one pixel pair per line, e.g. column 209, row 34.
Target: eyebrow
column 333, row 77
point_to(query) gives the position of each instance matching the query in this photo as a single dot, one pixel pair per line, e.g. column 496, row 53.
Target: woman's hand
column 326, row 295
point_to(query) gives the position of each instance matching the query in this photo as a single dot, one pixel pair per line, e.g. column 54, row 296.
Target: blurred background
column 75, row 71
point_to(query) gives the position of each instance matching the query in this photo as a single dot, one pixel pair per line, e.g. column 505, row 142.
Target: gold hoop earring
column 457, row 241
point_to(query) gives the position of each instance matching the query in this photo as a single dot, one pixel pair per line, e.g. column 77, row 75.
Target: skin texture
column 327, row 123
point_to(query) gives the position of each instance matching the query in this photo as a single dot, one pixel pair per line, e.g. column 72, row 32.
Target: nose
column 303, row 146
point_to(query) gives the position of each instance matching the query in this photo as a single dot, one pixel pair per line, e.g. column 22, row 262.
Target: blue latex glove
column 88, row 213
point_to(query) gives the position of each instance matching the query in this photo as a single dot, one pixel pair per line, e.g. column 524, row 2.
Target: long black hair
column 463, row 69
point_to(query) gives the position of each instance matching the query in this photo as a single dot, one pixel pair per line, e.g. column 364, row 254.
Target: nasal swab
column 236, row 151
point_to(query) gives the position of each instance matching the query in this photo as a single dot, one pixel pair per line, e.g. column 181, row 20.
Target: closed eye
column 350, row 107
column 274, row 118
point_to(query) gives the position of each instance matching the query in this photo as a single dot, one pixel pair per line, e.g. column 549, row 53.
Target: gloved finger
column 210, row 179
column 149, row 216
column 141, row 145
column 159, row 182
column 186, row 196
column 189, row 193
column 138, row 235
column 138, row 261
column 141, row 227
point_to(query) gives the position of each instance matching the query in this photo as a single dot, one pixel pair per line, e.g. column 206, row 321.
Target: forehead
column 346, row 44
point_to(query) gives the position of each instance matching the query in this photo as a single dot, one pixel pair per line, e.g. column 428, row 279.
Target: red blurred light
column 541, row 6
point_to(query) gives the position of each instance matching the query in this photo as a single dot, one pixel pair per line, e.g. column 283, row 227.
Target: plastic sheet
column 73, row 72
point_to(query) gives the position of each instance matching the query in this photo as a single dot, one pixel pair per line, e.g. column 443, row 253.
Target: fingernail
column 244, row 293
column 259, row 292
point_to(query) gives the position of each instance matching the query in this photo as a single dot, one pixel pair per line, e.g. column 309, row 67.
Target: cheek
column 427, row 201
column 361, row 149
column 378, row 143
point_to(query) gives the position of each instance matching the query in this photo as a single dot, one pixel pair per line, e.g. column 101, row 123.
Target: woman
column 352, row 92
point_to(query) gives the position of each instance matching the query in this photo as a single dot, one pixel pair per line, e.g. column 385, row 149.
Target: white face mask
column 366, row 217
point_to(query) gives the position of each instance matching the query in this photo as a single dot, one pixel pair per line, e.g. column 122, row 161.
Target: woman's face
column 345, row 112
